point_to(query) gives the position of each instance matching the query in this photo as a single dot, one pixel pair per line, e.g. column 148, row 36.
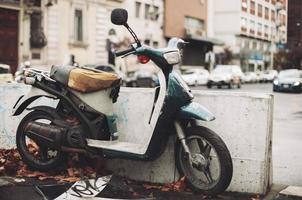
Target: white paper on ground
column 85, row 189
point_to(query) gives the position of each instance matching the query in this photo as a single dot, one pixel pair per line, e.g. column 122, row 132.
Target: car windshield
column 222, row 69
column 289, row 74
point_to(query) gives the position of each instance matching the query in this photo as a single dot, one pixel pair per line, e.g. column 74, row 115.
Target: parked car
column 5, row 75
column 250, row 77
column 196, row 76
column 230, row 75
column 145, row 78
column 288, row 81
column 268, row 76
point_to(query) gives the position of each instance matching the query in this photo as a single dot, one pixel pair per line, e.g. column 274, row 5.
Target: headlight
column 276, row 82
column 297, row 83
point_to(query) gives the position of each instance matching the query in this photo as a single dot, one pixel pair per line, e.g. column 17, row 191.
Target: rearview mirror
column 119, row 16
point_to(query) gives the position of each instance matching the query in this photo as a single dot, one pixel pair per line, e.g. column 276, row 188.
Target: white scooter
column 86, row 119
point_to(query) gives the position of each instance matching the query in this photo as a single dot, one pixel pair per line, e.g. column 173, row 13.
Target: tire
column 239, row 85
column 34, row 162
column 225, row 161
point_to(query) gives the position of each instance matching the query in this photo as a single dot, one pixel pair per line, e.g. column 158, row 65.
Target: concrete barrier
column 243, row 120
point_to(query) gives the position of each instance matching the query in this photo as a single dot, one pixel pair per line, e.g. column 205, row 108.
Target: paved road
column 287, row 134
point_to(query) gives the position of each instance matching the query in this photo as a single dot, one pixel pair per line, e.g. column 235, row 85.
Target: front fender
column 27, row 99
column 195, row 111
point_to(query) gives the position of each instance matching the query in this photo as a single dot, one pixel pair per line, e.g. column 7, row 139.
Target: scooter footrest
column 117, row 146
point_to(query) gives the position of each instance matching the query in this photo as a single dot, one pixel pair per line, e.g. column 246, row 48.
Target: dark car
column 288, row 81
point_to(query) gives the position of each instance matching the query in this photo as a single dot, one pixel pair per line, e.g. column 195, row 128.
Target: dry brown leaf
column 149, row 186
column 70, row 179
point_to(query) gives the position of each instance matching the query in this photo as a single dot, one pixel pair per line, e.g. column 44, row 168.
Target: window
column 147, row 42
column 259, row 29
column 147, row 11
column 253, row 7
column 244, row 5
column 78, row 25
column 266, row 13
column 194, row 23
column 266, row 31
column 273, row 32
column 260, row 10
column 243, row 24
column 155, row 44
column 155, row 13
column 137, row 9
column 273, row 15
column 252, row 26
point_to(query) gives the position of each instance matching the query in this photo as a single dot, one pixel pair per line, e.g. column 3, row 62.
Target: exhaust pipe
column 46, row 134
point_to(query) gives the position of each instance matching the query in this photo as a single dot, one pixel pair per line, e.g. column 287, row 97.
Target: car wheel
column 239, row 85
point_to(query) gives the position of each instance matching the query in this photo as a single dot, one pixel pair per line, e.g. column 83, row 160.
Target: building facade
column 47, row 31
column 145, row 17
column 253, row 29
column 188, row 20
column 294, row 41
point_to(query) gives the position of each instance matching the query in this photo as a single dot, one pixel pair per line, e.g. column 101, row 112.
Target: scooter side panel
column 195, row 111
column 25, row 100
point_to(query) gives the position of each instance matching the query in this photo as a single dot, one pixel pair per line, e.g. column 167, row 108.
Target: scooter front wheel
column 209, row 170
column 36, row 156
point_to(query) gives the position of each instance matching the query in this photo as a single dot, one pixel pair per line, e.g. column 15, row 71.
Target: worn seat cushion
column 84, row 80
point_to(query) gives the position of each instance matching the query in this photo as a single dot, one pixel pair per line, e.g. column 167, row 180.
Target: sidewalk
column 117, row 188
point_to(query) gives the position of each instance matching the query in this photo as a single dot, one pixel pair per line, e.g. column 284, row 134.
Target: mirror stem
column 133, row 35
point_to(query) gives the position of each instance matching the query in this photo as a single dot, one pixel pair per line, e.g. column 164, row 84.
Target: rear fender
column 195, row 111
column 24, row 101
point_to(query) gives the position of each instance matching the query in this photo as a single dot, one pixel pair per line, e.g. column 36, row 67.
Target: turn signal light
column 143, row 59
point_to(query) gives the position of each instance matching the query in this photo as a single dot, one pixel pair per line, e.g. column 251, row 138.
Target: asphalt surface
column 287, row 133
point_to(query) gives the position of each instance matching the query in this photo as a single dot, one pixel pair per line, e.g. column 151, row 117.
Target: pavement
column 117, row 188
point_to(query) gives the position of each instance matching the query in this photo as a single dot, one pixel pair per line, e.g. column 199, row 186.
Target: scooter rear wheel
column 212, row 169
column 36, row 156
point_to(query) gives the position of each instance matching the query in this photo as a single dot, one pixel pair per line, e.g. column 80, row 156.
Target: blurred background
column 260, row 37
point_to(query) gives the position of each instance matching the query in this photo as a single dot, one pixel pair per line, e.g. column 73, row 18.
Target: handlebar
column 121, row 53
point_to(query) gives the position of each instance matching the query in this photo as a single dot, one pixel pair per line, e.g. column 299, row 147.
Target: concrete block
column 243, row 120
column 290, row 193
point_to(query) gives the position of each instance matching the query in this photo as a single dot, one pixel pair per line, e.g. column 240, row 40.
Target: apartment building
column 251, row 28
column 46, row 31
column 188, row 20
column 146, row 19
column 294, row 40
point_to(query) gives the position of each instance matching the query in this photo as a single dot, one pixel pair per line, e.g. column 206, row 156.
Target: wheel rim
column 207, row 175
column 38, row 154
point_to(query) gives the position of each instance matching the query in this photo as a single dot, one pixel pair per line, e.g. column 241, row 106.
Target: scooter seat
column 84, row 79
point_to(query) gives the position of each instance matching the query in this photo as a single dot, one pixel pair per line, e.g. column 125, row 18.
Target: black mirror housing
column 119, row 16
